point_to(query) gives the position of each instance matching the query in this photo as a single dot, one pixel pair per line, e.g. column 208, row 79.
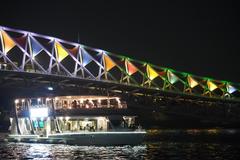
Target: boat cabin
column 70, row 114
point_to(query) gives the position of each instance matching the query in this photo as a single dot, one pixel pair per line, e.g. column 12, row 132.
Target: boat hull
column 89, row 138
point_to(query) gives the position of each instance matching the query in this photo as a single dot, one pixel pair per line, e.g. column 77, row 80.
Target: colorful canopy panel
column 211, row 86
column 109, row 64
column 74, row 50
column 192, row 82
column 130, row 68
column 172, row 78
column 21, row 41
column 35, row 47
column 230, row 88
column 7, row 42
column 86, row 58
column 60, row 51
column 151, row 73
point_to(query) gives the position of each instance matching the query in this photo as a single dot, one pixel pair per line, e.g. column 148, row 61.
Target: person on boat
column 74, row 104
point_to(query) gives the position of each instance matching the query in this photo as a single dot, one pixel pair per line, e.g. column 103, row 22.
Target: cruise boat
column 81, row 120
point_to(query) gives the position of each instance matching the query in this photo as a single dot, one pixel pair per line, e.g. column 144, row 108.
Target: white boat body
column 85, row 138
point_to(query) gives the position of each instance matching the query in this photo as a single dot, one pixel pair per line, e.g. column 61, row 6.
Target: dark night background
column 197, row 37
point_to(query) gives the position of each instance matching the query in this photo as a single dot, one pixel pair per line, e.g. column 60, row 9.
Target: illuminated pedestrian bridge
column 27, row 56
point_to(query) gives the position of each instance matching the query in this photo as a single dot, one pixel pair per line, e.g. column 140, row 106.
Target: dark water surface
column 177, row 150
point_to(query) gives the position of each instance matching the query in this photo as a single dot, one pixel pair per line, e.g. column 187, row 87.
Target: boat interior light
column 38, row 112
column 16, row 101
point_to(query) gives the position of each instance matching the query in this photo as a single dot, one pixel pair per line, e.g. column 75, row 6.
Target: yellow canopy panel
column 211, row 86
column 151, row 73
column 60, row 51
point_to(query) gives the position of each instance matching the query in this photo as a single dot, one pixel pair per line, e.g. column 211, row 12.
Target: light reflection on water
column 60, row 151
column 188, row 145
column 157, row 150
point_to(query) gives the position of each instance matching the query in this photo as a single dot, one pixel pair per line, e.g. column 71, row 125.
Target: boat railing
column 104, row 131
column 90, row 107
column 75, row 111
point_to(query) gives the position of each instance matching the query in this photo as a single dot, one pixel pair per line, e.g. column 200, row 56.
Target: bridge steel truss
column 23, row 51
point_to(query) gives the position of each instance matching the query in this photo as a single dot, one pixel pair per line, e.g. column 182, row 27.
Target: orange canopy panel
column 211, row 86
column 192, row 82
column 7, row 42
column 109, row 64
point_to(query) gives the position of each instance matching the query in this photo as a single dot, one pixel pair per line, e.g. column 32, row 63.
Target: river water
column 171, row 144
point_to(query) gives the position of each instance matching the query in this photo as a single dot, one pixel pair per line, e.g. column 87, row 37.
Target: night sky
column 197, row 37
